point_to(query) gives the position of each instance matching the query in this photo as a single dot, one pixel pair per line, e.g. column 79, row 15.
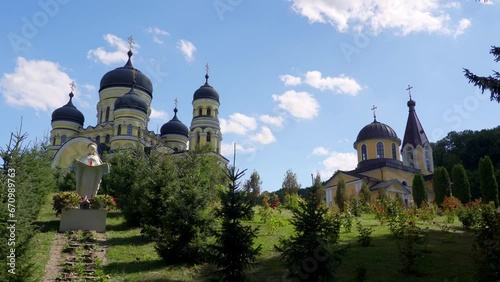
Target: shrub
column 364, row 237
column 412, row 247
column 66, row 200
column 450, row 208
column 427, row 212
column 103, row 201
column 470, row 214
column 355, row 206
column 487, row 245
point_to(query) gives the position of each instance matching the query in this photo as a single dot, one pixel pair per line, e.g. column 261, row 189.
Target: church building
column 123, row 112
column 386, row 163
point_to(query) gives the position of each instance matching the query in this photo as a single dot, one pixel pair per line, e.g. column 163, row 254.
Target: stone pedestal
column 83, row 219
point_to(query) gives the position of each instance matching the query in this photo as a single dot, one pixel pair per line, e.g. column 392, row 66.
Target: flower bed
column 73, row 200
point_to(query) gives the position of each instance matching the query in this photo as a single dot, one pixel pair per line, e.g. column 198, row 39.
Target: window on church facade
column 198, row 138
column 100, row 118
column 200, row 111
column 63, row 139
column 129, row 130
column 428, row 158
column 119, row 129
column 107, row 138
column 98, row 139
column 394, row 154
column 209, row 111
column 209, row 137
column 54, row 141
column 363, row 153
column 409, row 156
column 139, row 132
column 380, row 150
column 107, row 114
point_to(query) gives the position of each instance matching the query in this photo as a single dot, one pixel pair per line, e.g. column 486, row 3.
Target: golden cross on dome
column 131, row 42
column 72, row 85
column 409, row 90
column 374, row 114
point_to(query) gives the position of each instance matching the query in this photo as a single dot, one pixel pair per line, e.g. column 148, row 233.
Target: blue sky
column 297, row 78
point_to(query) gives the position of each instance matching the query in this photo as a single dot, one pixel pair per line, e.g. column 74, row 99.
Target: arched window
column 54, row 141
column 129, row 130
column 107, row 138
column 139, row 132
column 63, row 139
column 394, row 154
column 100, row 118
column 409, row 156
column 209, row 137
column 98, row 139
column 200, row 111
column 107, row 114
column 380, row 150
column 119, row 129
column 209, row 111
column 428, row 158
column 198, row 138
column 363, row 153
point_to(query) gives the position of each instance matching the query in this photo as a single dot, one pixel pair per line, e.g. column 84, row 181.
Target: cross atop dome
column 374, row 108
column 73, row 86
column 131, row 42
column 409, row 90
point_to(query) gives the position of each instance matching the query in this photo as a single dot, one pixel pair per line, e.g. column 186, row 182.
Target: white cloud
column 238, row 123
column 290, row 80
column 320, row 151
column 187, row 48
column 301, row 105
column 159, row 115
column 38, row 84
column 403, row 17
column 340, row 84
column 156, row 30
column 89, row 87
column 338, row 161
column 265, row 136
column 461, row 27
column 276, row 121
column 227, row 150
column 119, row 54
column 157, row 40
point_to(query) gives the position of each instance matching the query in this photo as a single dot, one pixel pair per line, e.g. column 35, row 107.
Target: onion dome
column 174, row 126
column 376, row 130
column 122, row 76
column 68, row 112
column 131, row 101
column 206, row 91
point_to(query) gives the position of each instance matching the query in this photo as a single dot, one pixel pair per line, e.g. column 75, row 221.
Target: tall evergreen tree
column 460, row 187
column 290, row 184
column 312, row 253
column 419, row 192
column 234, row 251
column 487, row 181
column 365, row 195
column 341, row 194
column 253, row 185
column 491, row 83
column 441, row 184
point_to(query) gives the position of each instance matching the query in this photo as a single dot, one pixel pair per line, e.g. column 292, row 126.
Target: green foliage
column 461, row 185
column 364, row 236
column 487, row 246
column 66, row 200
column 411, row 249
column 365, row 196
column 65, row 180
column 355, row 206
column 290, row 184
column 176, row 205
column 491, row 83
column 470, row 214
column 312, row 253
column 487, row 181
column 441, row 184
column 292, row 201
column 419, row 192
column 450, row 208
column 382, row 196
column 233, row 251
column 253, row 186
column 396, row 217
column 25, row 181
column 341, row 194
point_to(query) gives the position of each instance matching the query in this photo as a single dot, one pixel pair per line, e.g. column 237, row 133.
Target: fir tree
column 419, row 193
column 233, row 251
column 460, row 187
column 341, row 194
column 365, row 195
column 441, row 184
column 491, row 83
column 487, row 181
column 312, row 253
column 382, row 195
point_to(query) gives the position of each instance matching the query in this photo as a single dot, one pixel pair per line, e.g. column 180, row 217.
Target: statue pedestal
column 83, row 219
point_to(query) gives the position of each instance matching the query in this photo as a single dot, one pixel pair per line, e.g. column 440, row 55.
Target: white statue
column 89, row 172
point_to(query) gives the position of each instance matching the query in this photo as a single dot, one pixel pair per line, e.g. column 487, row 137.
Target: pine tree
column 487, row 181
column 491, row 83
column 312, row 253
column 341, row 194
column 419, row 193
column 441, row 184
column 233, row 251
column 460, row 186
column 365, row 195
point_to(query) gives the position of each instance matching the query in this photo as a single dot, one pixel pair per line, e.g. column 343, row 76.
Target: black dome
column 174, row 126
column 206, row 91
column 123, row 76
column 68, row 112
column 376, row 130
column 131, row 101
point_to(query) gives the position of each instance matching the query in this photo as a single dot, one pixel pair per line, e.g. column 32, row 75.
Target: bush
column 66, row 200
column 470, row 214
column 450, row 208
column 365, row 232
column 411, row 249
column 487, row 245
